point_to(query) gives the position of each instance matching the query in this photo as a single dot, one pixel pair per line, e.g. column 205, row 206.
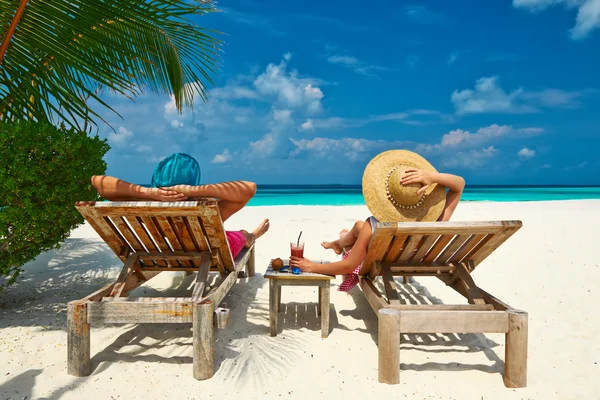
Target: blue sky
column 501, row 92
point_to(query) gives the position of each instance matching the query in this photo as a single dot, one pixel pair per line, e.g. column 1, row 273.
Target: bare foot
column 335, row 245
column 262, row 228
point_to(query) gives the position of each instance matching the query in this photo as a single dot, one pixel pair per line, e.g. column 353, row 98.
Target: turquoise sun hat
column 177, row 169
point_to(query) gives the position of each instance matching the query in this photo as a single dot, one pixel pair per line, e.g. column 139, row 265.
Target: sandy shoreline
column 550, row 268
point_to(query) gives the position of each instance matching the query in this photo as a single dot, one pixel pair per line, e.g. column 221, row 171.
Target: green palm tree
column 56, row 55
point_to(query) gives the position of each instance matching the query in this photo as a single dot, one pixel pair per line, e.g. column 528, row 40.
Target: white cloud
column 408, row 117
column 470, row 159
column 176, row 123
column 121, row 137
column 276, row 142
column 452, row 57
column 288, row 88
column 526, row 153
column 421, row 14
column 460, row 148
column 588, row 13
column 358, row 66
column 546, row 166
column 489, row 97
column 143, row 148
column 362, row 150
column 346, row 148
column 462, row 138
column 233, row 92
column 307, row 125
column 222, row 158
column 347, row 60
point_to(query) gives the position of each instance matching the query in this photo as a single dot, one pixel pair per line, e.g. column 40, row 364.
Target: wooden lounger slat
column 158, row 239
column 182, row 233
column 424, row 248
column 105, row 231
column 169, row 235
column 449, row 321
column 443, row 307
column 116, row 232
column 380, row 243
column 145, row 239
column 410, row 248
column 396, row 247
column 211, row 220
column 437, row 248
column 139, row 312
column 493, row 244
column 466, row 249
column 198, row 234
column 452, row 248
column 449, row 227
column 125, row 231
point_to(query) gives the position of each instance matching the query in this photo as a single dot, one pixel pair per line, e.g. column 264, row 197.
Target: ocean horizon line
column 351, row 195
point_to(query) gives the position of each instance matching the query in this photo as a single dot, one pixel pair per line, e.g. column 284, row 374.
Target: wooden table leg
column 320, row 296
column 278, row 299
column 324, row 297
column 273, row 300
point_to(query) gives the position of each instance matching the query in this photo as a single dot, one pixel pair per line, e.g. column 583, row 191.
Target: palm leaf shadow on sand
column 54, row 278
column 244, row 353
column 415, row 293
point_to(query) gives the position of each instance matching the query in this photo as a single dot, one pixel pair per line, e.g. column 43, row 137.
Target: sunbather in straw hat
column 398, row 186
column 177, row 178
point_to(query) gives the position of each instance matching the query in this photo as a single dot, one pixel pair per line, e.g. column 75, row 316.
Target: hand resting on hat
column 426, row 178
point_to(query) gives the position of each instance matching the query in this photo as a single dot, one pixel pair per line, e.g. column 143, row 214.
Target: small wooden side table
column 279, row 279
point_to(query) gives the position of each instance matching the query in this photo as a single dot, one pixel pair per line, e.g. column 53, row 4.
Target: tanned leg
column 346, row 241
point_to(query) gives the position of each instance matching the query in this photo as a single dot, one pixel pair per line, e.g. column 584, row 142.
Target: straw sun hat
column 389, row 200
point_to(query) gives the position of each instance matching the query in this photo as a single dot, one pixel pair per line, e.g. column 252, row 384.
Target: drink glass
column 297, row 250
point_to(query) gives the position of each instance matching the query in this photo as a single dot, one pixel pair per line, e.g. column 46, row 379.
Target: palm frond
column 63, row 50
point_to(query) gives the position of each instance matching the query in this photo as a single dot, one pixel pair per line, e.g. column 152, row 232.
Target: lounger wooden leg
column 78, row 340
column 250, row 264
column 406, row 279
column 389, row 346
column 324, row 307
column 273, row 301
column 515, row 362
column 202, row 327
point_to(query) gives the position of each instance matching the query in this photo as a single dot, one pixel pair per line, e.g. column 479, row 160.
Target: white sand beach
column 550, row 268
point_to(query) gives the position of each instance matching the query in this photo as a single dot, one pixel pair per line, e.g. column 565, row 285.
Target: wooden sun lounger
column 449, row 251
column 151, row 237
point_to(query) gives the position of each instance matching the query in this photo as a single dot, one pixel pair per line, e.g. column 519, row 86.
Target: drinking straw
column 298, row 242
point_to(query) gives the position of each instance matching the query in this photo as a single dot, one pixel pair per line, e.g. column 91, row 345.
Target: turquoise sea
column 344, row 195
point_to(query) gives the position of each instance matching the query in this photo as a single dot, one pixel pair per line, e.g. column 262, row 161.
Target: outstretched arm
column 115, row 189
column 454, row 183
column 233, row 196
column 354, row 259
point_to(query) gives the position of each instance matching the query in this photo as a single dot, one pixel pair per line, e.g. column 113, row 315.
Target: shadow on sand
column 82, row 266
column 415, row 293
